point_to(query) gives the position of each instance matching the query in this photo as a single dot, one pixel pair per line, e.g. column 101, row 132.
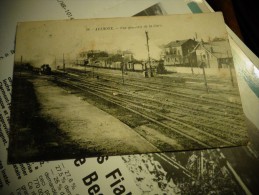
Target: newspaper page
column 231, row 171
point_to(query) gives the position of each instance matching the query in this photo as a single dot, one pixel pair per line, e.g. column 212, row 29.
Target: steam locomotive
column 45, row 69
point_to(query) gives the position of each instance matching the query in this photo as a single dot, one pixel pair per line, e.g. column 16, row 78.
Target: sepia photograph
column 123, row 86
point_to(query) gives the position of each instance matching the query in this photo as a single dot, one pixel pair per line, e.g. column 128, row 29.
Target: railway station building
column 191, row 53
column 177, row 53
column 215, row 54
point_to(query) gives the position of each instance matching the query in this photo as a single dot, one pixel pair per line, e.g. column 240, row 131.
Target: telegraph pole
column 204, row 74
column 151, row 73
column 92, row 62
column 21, row 67
column 56, row 62
column 230, row 71
column 122, row 70
column 64, row 65
column 190, row 60
column 122, row 73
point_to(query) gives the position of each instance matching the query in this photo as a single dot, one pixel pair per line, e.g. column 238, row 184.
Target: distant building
column 97, row 58
column 178, row 53
column 104, row 59
column 128, row 60
column 117, row 60
column 190, row 53
column 215, row 54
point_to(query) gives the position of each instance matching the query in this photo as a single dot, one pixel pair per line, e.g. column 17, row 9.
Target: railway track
column 157, row 87
column 136, row 110
column 173, row 125
column 203, row 120
column 178, row 84
column 179, row 94
column 193, row 107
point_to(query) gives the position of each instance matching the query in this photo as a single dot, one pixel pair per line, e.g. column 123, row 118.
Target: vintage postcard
column 123, row 86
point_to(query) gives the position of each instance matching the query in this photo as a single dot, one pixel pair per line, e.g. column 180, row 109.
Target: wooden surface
column 226, row 6
column 242, row 18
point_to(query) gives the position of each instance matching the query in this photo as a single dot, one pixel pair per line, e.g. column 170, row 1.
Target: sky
column 42, row 42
